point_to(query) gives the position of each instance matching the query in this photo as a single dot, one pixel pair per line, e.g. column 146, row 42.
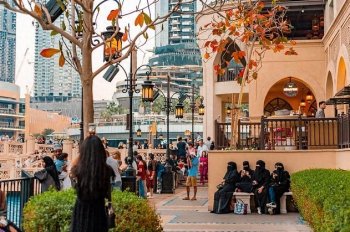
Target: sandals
column 193, row 199
column 186, row 198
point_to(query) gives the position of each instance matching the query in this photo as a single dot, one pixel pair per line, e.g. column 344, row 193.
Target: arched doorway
column 329, row 86
column 279, row 101
column 341, row 78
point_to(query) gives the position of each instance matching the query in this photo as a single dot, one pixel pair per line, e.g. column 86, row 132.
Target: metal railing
column 344, row 130
column 17, row 193
column 229, row 75
column 289, row 133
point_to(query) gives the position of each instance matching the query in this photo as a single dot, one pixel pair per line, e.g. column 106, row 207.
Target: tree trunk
column 86, row 76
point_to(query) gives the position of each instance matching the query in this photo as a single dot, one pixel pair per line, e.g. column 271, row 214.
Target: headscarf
column 246, row 166
column 51, row 170
column 259, row 170
column 231, row 170
column 280, row 169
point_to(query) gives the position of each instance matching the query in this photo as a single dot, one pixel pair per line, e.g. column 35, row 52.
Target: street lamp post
column 167, row 108
column 130, row 88
column 193, row 108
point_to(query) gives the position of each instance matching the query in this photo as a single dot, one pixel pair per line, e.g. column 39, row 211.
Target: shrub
column 323, row 198
column 51, row 211
column 134, row 214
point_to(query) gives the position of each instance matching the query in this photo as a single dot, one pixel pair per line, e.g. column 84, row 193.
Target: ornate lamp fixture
column 290, row 89
column 309, row 97
column 113, row 45
column 138, row 132
column 179, row 110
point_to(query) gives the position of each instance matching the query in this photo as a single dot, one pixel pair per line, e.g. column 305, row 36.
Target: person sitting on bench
column 279, row 184
column 223, row 196
column 245, row 185
column 261, row 178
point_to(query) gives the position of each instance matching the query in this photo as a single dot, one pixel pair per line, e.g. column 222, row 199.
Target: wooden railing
column 222, row 135
column 288, row 133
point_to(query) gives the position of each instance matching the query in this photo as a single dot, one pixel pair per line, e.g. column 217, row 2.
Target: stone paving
column 180, row 215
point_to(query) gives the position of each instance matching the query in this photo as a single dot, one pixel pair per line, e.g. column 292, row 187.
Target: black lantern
column 179, row 110
column 201, row 109
column 112, row 46
column 228, row 110
column 138, row 132
column 147, row 91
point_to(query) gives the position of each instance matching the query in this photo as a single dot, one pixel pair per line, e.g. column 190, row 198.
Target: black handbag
column 110, row 215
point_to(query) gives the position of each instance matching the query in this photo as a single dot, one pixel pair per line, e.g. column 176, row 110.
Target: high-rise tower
column 175, row 43
column 7, row 45
column 51, row 82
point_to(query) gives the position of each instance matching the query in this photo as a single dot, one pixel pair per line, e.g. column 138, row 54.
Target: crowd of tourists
column 267, row 187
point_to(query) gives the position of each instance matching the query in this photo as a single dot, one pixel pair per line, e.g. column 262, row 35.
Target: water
column 14, row 207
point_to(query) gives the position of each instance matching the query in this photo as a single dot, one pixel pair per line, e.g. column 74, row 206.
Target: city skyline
column 26, row 39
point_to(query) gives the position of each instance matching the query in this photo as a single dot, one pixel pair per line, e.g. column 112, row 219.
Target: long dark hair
column 91, row 170
column 52, row 171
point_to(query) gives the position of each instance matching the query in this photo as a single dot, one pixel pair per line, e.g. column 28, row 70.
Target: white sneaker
column 259, row 210
column 271, row 205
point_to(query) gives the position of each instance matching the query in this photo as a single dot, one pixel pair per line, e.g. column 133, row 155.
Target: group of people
column 267, row 187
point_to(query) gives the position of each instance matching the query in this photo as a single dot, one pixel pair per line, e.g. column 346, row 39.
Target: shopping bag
column 240, row 207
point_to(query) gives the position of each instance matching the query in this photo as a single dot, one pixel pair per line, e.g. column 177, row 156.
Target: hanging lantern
column 201, row 109
column 228, row 110
column 112, row 46
column 290, row 89
column 138, row 132
column 179, row 111
column 147, row 91
column 309, row 97
column 187, row 132
column 302, row 103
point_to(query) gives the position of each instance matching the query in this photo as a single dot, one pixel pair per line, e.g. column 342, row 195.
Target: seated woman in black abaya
column 222, row 197
column 245, row 185
column 261, row 180
column 279, row 184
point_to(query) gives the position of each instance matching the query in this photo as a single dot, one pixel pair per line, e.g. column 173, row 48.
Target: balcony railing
column 229, row 75
column 17, row 192
column 295, row 133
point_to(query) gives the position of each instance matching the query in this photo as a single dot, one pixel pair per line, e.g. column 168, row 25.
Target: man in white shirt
column 201, row 147
column 208, row 142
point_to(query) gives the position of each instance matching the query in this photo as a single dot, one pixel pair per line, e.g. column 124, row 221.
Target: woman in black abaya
column 261, row 179
column 222, row 197
column 279, row 184
column 245, row 185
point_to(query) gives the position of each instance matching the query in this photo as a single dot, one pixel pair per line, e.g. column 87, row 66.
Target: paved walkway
column 180, row 215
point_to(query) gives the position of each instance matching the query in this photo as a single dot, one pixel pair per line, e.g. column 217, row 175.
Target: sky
column 102, row 89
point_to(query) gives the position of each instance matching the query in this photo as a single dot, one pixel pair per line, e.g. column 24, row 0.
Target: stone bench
column 245, row 197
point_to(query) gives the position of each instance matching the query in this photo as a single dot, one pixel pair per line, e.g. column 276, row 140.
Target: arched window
column 276, row 104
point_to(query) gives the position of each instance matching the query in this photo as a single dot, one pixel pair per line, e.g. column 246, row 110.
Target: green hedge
column 323, row 198
column 52, row 211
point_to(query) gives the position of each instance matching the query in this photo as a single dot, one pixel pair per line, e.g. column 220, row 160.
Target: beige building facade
column 320, row 69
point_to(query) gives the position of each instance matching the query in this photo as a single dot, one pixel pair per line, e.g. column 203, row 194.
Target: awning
column 345, row 91
column 338, row 100
column 9, row 100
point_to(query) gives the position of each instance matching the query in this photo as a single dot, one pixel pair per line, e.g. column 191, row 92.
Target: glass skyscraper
column 51, row 82
column 7, row 45
column 175, row 41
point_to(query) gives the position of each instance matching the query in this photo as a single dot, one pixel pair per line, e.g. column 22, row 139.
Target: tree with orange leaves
column 257, row 28
column 79, row 34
